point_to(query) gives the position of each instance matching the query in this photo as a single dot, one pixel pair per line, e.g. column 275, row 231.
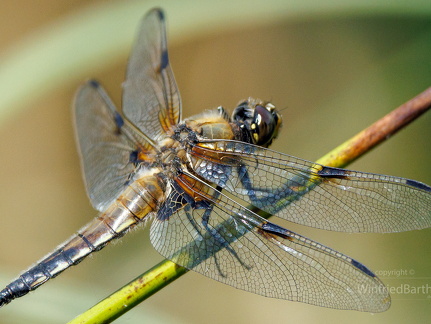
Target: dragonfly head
column 259, row 121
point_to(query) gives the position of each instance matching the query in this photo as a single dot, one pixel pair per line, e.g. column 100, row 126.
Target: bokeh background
column 334, row 67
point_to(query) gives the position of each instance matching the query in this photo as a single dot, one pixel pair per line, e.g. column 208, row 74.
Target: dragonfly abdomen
column 141, row 198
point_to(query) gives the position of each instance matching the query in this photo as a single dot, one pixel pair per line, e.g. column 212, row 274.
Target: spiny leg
column 216, row 233
column 277, row 198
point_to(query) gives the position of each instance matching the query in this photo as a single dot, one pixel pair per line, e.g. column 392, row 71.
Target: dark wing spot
column 176, row 200
column 418, row 185
column 160, row 13
column 118, row 120
column 363, row 268
column 95, row 84
column 173, row 203
column 164, row 60
column 133, row 157
column 275, row 230
column 334, row 173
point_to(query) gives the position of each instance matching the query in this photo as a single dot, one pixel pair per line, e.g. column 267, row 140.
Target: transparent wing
column 106, row 144
column 311, row 194
column 151, row 99
column 222, row 240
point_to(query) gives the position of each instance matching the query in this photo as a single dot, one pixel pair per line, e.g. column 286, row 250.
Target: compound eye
column 264, row 127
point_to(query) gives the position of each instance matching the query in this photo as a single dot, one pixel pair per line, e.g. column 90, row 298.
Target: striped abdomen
column 136, row 203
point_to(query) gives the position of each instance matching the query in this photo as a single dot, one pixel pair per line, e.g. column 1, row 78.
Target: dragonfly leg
column 195, row 225
column 216, row 234
column 273, row 200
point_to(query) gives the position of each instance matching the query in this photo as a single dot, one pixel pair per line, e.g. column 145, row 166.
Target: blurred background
column 334, row 67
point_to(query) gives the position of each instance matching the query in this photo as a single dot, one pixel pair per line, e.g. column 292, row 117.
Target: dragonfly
column 208, row 183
